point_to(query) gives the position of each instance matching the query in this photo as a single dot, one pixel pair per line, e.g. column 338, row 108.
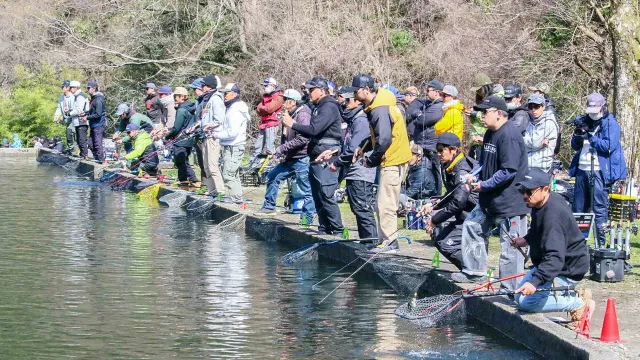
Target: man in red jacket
column 268, row 109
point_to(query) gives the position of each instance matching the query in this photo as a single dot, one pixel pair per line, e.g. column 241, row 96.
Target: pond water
column 91, row 273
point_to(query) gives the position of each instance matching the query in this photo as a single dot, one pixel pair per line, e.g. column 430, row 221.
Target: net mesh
column 200, row 207
column 234, row 222
column 107, row 176
column 304, row 254
column 120, row 183
column 174, row 199
column 403, row 275
column 433, row 310
column 47, row 159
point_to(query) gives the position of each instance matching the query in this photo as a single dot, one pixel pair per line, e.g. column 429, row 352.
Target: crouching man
column 144, row 156
column 456, row 167
column 558, row 252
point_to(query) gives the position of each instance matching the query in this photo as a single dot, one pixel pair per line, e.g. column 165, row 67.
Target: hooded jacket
column 233, row 130
column 452, row 120
column 213, row 111
column 80, row 106
column 97, row 114
column 539, row 156
column 605, row 138
column 143, row 122
column 325, row 124
column 168, row 111
column 521, row 117
column 388, row 132
column 416, row 185
column 293, row 144
column 17, row 142
column 142, row 149
column 155, row 109
column 185, row 118
column 424, row 121
column 357, row 132
column 461, row 201
column 269, row 108
column 65, row 104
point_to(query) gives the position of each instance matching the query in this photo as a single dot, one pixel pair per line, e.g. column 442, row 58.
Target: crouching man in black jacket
column 558, row 252
column 455, row 169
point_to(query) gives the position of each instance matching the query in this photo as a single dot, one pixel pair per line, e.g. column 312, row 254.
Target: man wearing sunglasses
column 558, row 251
column 504, row 163
column 541, row 134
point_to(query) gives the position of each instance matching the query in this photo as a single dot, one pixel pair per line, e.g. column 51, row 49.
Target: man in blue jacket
column 597, row 133
column 97, row 117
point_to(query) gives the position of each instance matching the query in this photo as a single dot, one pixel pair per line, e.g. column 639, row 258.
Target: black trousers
column 324, row 183
column 181, row 160
column 362, row 204
column 448, row 241
column 96, row 143
column 436, row 169
column 81, row 136
column 200, row 158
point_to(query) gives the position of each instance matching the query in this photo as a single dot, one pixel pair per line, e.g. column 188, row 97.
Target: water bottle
column 345, row 233
column 410, row 216
column 436, row 260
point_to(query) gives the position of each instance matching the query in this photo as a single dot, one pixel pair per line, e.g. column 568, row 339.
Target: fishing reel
column 634, row 229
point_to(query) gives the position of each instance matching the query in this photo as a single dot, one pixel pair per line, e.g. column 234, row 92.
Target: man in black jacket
column 324, row 133
column 558, row 252
column 518, row 114
column 181, row 149
column 457, row 167
column 97, row 117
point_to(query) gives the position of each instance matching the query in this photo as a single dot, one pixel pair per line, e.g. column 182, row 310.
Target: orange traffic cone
column 610, row 331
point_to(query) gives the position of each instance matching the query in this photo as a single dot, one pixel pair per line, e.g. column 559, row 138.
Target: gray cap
column 292, row 94
column 537, row 99
column 595, row 102
column 122, row 108
column 450, row 90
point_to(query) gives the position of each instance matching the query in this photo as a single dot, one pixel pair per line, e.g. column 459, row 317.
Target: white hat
column 292, row 94
column 450, row 90
column 75, row 84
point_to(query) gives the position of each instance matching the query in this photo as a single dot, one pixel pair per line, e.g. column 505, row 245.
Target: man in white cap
column 77, row 115
column 598, row 162
column 452, row 119
column 293, row 150
column 268, row 109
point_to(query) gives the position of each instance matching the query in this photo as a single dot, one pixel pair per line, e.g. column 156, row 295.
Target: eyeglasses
column 528, row 192
column 440, row 149
column 534, row 106
column 484, row 112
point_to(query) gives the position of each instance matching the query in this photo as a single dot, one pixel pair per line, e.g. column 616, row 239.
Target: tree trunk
column 625, row 34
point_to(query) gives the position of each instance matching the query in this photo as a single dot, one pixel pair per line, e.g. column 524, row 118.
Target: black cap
column 437, row 85
column 361, row 81
column 211, row 81
column 492, row 102
column 512, row 91
column 92, row 84
column 317, row 83
column 534, row 178
column 66, row 83
column 449, row 139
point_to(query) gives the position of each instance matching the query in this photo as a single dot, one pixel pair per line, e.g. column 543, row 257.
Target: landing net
column 173, row 200
column 234, row 222
column 401, row 274
column 432, row 310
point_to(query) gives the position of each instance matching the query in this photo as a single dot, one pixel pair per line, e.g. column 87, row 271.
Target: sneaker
column 390, row 248
column 461, row 277
column 265, row 211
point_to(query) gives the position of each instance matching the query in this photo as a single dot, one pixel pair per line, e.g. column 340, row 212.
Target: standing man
column 504, row 163
column 414, row 105
column 559, row 252
column 482, row 87
column 97, row 117
column 596, row 137
column 232, row 135
column 452, row 118
column 213, row 113
column 295, row 160
column 77, row 115
column 153, row 104
column 360, row 179
column 268, row 109
column 391, row 152
column 196, row 86
column 65, row 104
column 168, row 106
column 518, row 114
column 324, row 134
column 541, row 135
column 181, row 149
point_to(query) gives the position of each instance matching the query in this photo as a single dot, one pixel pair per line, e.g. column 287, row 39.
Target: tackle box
column 607, row 265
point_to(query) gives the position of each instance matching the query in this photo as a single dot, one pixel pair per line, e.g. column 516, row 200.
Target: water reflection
column 91, row 273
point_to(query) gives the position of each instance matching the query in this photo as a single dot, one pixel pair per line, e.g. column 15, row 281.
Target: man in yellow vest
column 390, row 150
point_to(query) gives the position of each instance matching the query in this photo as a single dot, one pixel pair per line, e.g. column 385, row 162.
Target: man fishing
column 144, row 155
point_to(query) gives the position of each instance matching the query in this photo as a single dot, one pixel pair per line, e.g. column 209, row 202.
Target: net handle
column 486, row 285
column 498, row 293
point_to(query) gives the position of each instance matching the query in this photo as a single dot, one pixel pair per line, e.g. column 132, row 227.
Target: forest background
column 575, row 46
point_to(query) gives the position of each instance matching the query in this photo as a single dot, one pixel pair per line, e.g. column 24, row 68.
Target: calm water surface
column 87, row 272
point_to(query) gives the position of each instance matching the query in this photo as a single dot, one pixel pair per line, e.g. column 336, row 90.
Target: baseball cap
column 197, row 84
column 210, row 81
column 131, row 127
column 512, row 91
column 180, row 91
column 450, row 90
column 411, row 90
column 542, row 87
column 292, row 94
column 537, row 99
column 269, row 81
column 165, row 90
column 74, row 83
column 122, row 108
column 66, row 83
column 595, row 102
column 492, row 102
column 92, row 84
column 534, row 178
column 480, row 80
column 316, row 82
column 391, row 88
column 231, row 87
column 416, row 149
column 449, row 139
column 437, row 85
column 150, row 85
column 361, row 81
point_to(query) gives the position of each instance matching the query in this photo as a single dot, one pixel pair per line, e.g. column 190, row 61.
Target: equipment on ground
column 607, row 265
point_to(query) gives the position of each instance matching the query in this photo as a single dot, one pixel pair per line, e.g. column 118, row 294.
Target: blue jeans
column 547, row 301
column 582, row 201
column 283, row 171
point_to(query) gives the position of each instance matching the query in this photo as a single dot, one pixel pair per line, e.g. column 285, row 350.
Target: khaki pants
column 211, row 157
column 232, row 158
column 389, row 185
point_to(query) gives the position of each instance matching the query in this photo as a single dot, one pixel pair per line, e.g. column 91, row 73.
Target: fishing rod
column 441, row 202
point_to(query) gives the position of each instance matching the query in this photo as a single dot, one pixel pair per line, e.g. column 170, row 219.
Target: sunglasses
column 534, row 106
column 484, row 112
column 528, row 192
column 440, row 149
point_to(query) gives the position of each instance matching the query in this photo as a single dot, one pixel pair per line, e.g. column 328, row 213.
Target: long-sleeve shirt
column 214, row 111
column 80, row 106
column 233, row 130
column 65, row 103
column 540, row 156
